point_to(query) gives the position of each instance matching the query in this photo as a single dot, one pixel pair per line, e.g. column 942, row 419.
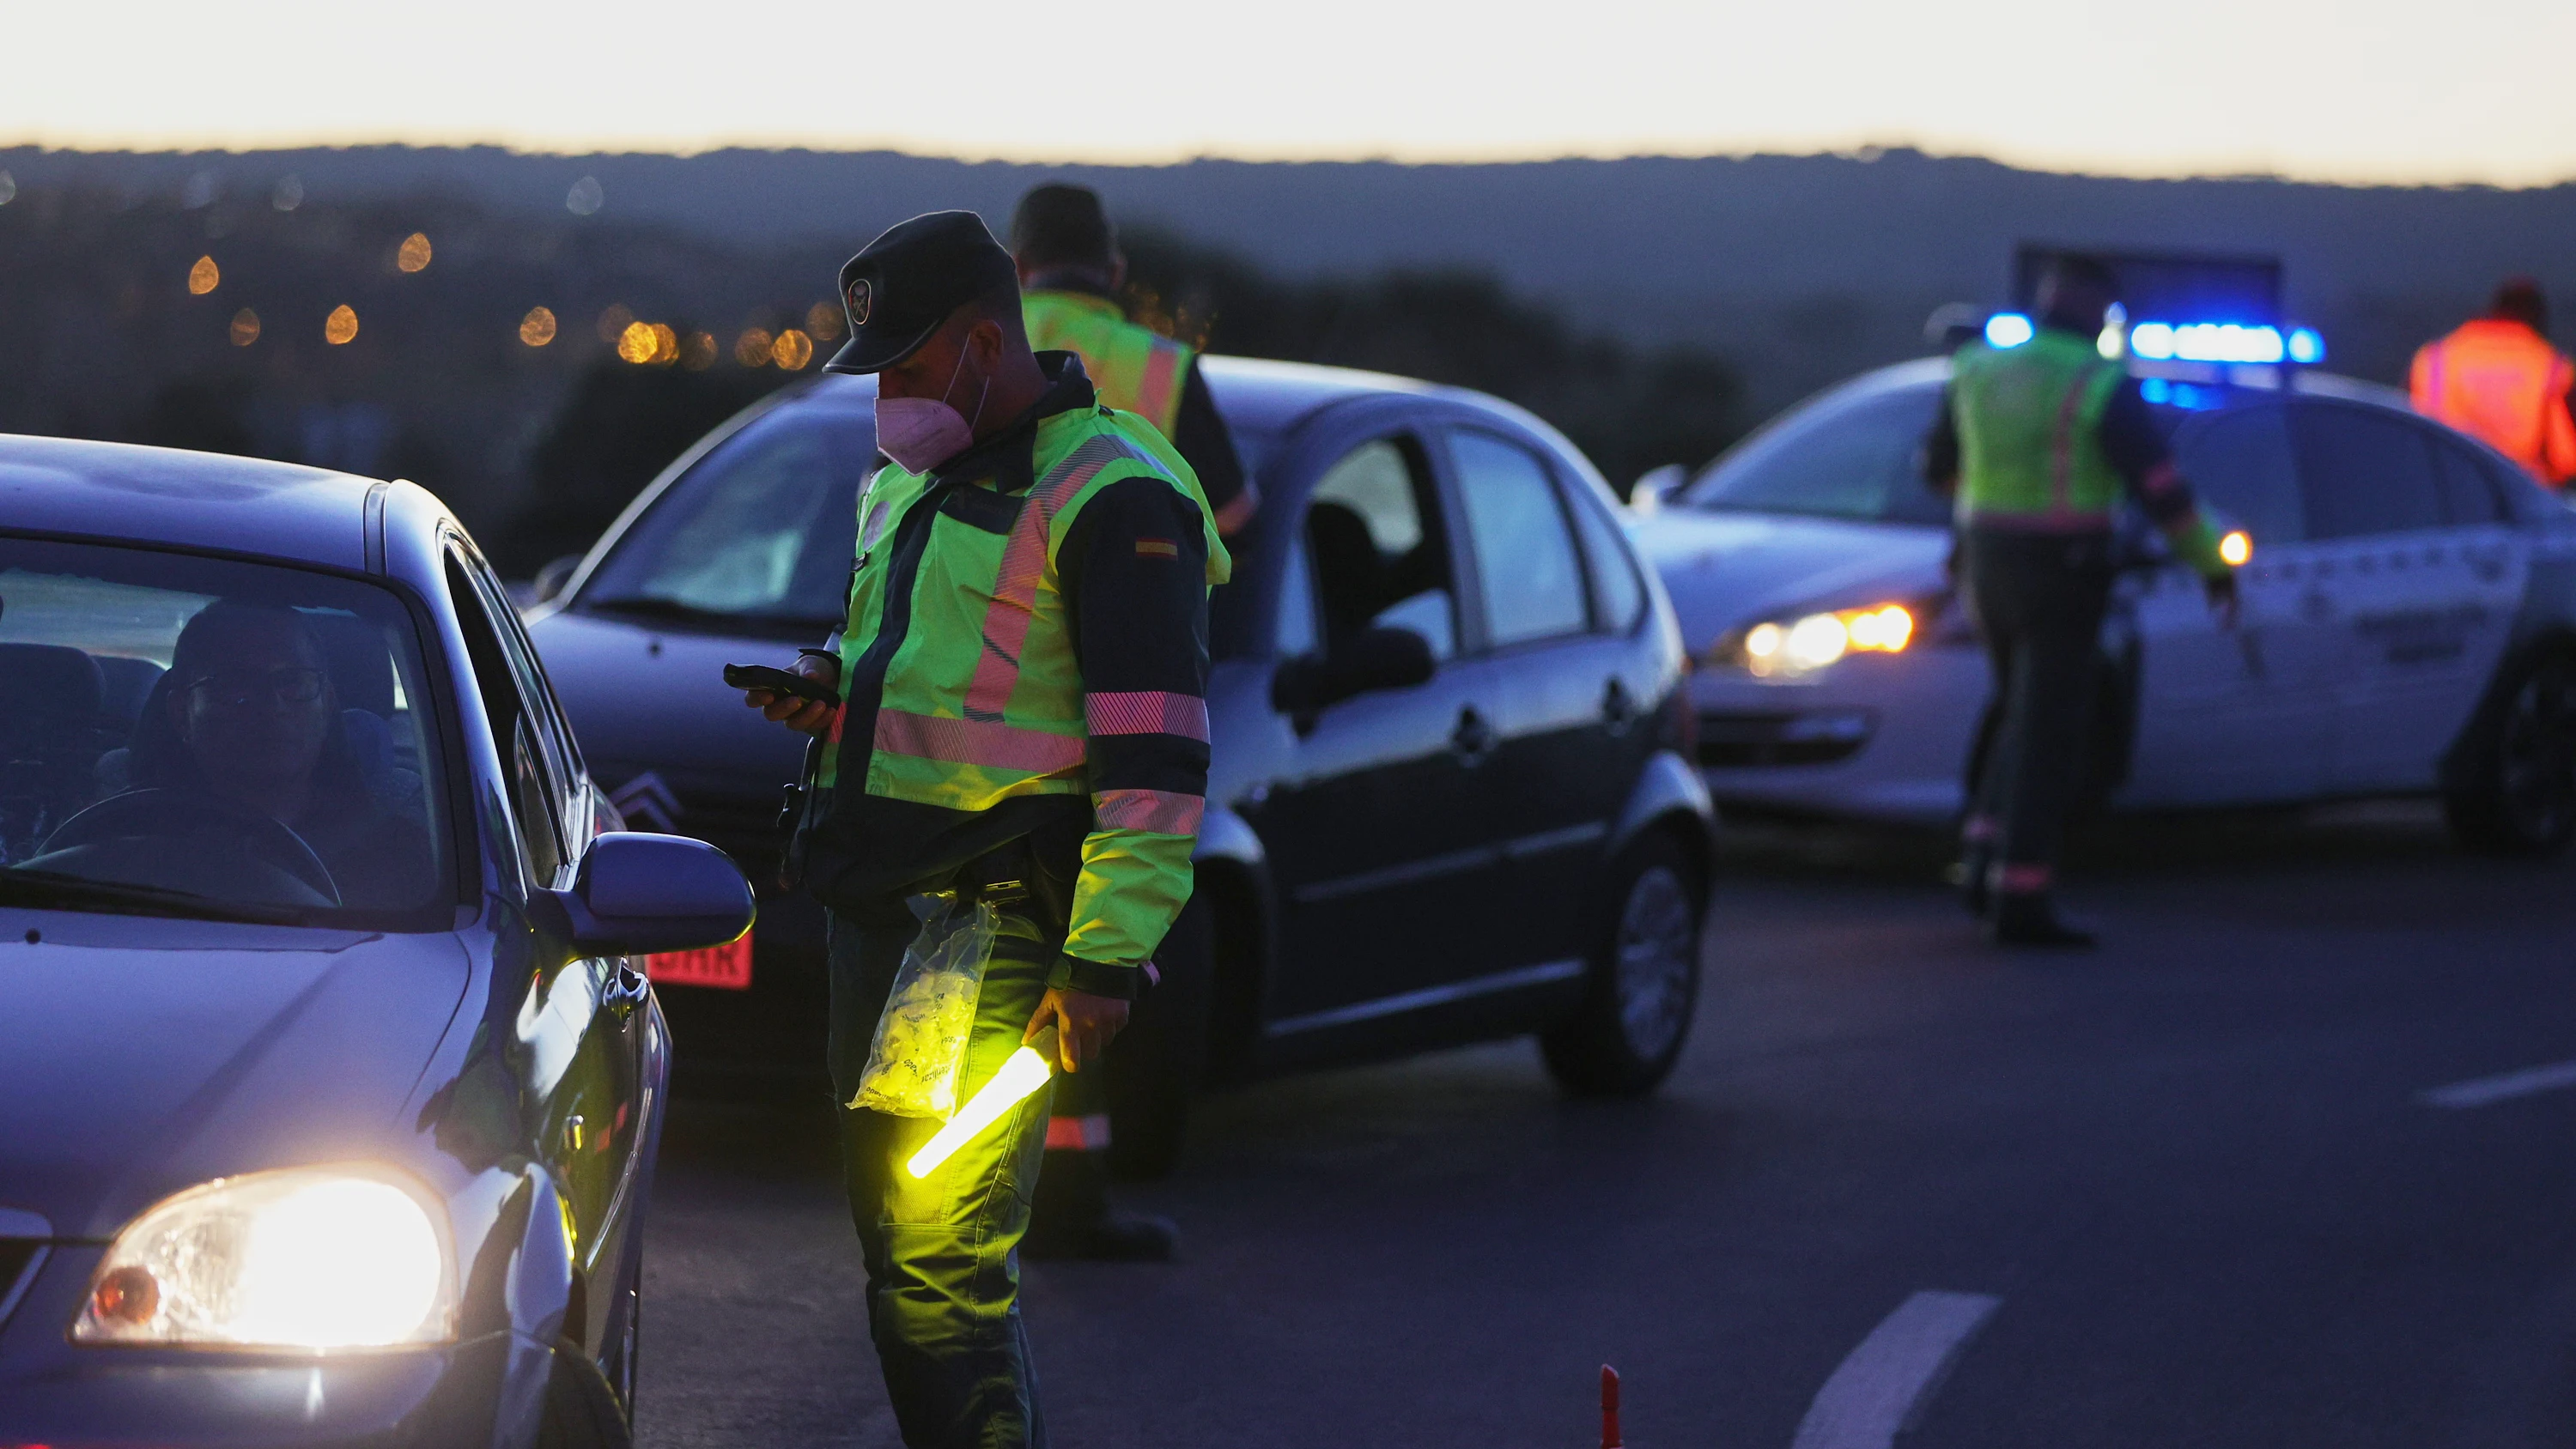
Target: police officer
column 1071, row 271
column 1023, row 717
column 2038, row 443
column 2496, row 377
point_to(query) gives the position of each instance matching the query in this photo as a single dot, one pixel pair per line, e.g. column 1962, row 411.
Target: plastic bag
column 919, row 1055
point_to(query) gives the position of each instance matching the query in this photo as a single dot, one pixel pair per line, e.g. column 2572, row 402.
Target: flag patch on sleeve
column 1157, row 548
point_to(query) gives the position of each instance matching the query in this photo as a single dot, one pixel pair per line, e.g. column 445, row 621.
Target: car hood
column 644, row 699
column 1727, row 570
column 140, row 1056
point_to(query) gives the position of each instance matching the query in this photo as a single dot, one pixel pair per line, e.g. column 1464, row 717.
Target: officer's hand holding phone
column 776, row 696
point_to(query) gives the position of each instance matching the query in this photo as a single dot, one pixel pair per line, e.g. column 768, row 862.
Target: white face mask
column 920, row 433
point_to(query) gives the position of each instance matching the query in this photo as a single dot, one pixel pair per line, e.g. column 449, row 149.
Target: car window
column 1617, row 596
column 2468, row 494
column 1372, row 531
column 514, row 732
column 2242, row 464
column 759, row 530
column 2363, row 471
column 1855, row 458
column 206, row 737
column 1532, row 583
column 1297, row 633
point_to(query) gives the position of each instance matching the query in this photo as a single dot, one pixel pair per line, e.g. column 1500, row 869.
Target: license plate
column 727, row 968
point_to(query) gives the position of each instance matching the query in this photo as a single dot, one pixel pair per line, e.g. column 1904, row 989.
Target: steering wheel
column 164, row 813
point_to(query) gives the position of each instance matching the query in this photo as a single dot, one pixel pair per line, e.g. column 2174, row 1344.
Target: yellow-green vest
column 1133, row 368
column 2029, row 423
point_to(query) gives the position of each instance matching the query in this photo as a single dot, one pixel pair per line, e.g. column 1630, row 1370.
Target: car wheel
column 2515, row 793
column 581, row 1409
column 1643, row 981
column 1156, row 1064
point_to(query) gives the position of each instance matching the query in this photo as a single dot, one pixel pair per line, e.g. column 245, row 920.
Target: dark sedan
column 1449, row 797
column 328, row 1095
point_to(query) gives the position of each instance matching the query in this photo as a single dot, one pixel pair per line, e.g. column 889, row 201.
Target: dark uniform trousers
column 2038, row 599
column 942, row 1251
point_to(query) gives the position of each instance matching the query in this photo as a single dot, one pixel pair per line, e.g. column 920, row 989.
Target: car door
column 1378, row 826
column 2423, row 576
column 1564, row 709
column 580, row 1027
column 2242, row 713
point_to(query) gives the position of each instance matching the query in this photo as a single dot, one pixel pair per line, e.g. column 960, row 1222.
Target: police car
column 2408, row 622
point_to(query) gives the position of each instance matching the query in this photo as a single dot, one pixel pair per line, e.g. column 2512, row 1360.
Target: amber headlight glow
column 304, row 1260
column 2236, row 548
column 1791, row 647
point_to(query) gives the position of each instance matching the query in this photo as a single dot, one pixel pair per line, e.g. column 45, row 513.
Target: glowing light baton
column 1027, row 1070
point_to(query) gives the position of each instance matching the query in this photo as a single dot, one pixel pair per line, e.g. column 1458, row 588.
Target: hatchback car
column 2408, row 618
column 1449, row 798
column 329, row 1094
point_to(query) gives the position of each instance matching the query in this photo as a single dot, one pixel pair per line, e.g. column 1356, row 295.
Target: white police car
column 2408, row 621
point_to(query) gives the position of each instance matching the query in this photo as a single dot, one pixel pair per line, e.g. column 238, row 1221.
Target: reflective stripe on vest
column 1134, row 368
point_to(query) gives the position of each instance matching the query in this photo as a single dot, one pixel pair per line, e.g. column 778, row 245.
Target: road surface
column 2285, row 1164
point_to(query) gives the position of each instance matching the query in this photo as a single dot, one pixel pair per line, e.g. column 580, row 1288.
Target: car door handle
column 1473, row 740
column 627, row 986
column 1618, row 706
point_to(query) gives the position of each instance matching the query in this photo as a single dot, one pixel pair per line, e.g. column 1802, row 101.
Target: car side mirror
column 1368, row 659
column 1646, row 496
column 636, row 894
column 551, row 579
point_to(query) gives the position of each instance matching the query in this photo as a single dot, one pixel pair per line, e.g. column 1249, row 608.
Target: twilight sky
column 2359, row 90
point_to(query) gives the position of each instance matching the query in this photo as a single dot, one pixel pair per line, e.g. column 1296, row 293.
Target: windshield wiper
column 59, row 890
column 655, row 606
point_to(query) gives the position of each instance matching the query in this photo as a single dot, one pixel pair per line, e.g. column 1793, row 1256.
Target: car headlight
column 305, row 1259
column 1791, row 647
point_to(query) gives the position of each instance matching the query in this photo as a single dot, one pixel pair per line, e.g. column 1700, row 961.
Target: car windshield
column 211, row 738
column 1842, row 457
column 756, row 536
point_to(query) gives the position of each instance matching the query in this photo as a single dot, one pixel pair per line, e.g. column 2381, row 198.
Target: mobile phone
column 779, row 681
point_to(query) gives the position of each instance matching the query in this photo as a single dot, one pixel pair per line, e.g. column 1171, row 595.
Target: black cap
column 902, row 286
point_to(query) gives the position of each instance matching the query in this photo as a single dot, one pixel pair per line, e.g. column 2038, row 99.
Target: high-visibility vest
column 2499, row 380
column 1134, row 368
column 2029, row 424
column 981, row 698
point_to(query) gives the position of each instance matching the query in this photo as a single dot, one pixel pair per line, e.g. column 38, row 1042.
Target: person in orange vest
column 2496, row 377
column 1071, row 271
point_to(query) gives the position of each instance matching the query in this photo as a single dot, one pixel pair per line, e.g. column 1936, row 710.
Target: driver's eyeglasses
column 284, row 686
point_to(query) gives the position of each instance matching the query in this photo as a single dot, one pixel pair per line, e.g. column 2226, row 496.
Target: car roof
column 2305, row 381
column 1253, row 393
column 192, row 500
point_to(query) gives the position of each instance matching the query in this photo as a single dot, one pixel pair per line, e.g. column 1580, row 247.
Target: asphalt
column 2183, row 1190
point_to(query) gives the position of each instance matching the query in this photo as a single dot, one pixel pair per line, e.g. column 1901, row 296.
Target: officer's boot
column 1071, row 1216
column 2029, row 918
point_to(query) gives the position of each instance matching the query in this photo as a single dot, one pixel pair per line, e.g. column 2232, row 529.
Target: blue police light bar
column 2306, row 347
column 2007, row 329
column 2207, row 342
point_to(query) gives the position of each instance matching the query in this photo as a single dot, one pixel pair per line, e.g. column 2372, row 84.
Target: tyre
column 2513, row 790
column 1156, row 1064
column 1643, row 981
column 581, row 1409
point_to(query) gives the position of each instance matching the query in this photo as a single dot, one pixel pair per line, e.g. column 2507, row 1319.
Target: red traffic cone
column 1609, row 1408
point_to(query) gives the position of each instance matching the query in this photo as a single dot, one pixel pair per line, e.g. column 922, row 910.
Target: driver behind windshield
column 254, row 718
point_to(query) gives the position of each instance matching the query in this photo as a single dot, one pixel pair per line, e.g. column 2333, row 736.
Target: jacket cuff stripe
column 1156, row 812
column 1146, row 712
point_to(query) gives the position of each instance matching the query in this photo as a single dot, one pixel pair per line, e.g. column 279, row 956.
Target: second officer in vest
column 1023, row 679
column 2040, row 443
column 1071, row 271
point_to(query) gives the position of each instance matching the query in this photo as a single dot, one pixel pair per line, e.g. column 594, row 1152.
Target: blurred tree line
column 1629, row 409
column 210, row 319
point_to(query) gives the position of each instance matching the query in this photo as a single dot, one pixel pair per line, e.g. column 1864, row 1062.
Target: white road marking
column 2481, row 1091
column 1877, row 1392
